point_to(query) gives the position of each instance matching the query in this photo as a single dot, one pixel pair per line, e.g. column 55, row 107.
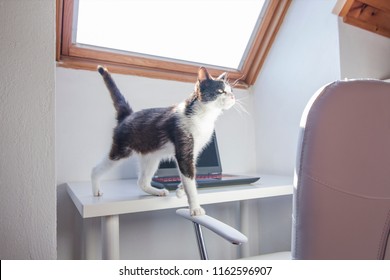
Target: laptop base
column 221, row 181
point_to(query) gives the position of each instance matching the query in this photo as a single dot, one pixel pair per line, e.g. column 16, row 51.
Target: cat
column 178, row 132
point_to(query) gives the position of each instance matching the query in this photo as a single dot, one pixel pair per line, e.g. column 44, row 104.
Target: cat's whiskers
column 239, row 107
column 237, row 81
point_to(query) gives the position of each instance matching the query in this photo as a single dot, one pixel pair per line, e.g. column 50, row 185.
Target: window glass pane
column 214, row 32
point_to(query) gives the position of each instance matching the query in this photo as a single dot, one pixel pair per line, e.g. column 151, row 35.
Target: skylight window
column 169, row 39
column 212, row 32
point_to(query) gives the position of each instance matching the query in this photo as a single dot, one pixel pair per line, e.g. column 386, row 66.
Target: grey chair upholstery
column 342, row 182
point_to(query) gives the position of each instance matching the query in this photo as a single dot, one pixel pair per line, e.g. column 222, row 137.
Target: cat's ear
column 203, row 74
column 223, row 77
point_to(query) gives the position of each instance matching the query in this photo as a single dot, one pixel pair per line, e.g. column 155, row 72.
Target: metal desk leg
column 91, row 239
column 244, row 226
column 110, row 237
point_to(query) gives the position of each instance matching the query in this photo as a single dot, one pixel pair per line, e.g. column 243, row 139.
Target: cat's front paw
column 199, row 211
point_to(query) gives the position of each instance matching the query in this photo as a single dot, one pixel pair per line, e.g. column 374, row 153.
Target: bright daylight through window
column 169, row 39
column 212, row 32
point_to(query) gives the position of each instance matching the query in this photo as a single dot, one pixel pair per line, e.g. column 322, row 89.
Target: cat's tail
column 122, row 108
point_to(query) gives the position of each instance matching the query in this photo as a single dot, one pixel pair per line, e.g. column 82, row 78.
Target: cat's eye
column 221, row 91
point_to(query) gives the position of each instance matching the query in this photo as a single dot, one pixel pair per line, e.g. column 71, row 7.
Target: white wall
column 363, row 54
column 27, row 174
column 84, row 123
column 312, row 48
column 304, row 56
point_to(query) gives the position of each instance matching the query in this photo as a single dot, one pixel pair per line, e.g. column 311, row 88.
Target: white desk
column 124, row 196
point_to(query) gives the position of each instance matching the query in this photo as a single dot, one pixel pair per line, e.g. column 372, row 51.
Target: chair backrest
column 342, row 181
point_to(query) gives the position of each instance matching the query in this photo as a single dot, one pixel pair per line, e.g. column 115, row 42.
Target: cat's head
column 216, row 91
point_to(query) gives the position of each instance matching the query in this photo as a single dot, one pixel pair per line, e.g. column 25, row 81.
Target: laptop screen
column 208, row 162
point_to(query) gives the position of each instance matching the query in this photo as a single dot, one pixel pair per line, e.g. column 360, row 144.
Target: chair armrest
column 227, row 232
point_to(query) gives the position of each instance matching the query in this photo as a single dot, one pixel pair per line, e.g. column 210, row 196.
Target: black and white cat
column 179, row 132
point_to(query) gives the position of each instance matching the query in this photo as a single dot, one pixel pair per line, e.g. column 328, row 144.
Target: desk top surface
column 124, row 196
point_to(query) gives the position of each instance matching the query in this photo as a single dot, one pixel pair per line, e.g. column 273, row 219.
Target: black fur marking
column 101, row 70
column 144, row 132
column 206, row 91
column 184, row 154
column 122, row 108
column 209, row 89
column 190, row 105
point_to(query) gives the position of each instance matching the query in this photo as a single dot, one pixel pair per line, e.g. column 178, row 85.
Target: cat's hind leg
column 98, row 171
column 148, row 165
column 108, row 162
column 180, row 192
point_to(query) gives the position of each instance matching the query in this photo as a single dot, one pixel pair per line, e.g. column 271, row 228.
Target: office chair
column 341, row 207
column 227, row 232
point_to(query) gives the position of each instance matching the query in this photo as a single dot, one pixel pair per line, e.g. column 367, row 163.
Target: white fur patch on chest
column 200, row 125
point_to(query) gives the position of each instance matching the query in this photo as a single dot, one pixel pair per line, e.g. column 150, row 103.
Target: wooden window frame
column 371, row 15
column 71, row 55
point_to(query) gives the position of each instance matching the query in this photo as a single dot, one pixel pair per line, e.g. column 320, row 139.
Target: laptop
column 208, row 171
